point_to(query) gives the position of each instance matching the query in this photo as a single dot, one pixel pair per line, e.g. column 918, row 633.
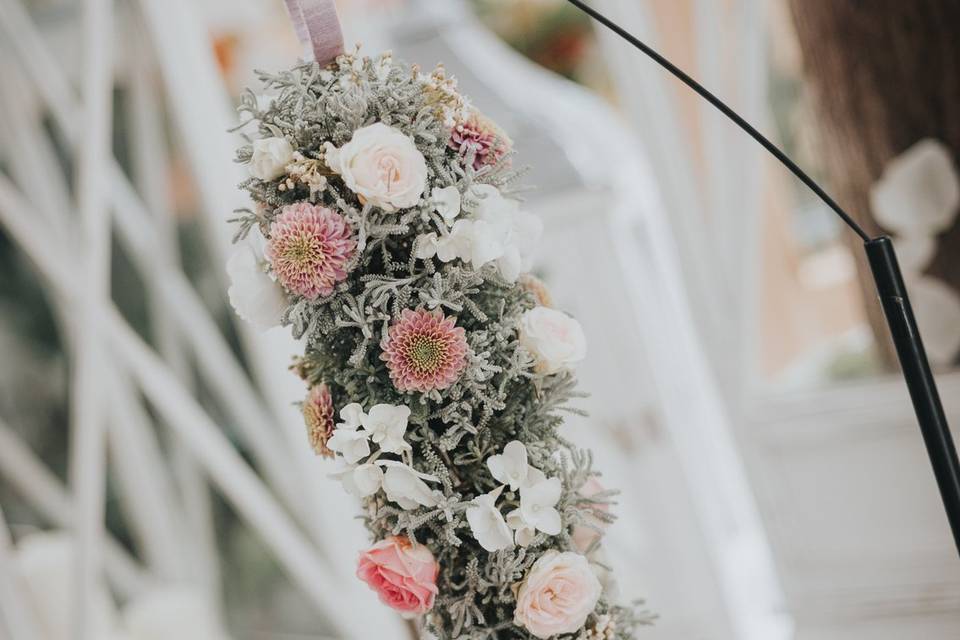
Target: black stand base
column 916, row 371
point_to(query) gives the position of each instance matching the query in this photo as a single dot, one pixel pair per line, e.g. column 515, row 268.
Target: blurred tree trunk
column 884, row 74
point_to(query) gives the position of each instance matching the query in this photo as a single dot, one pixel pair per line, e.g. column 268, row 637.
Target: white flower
column 447, row 247
column 498, row 232
column 524, row 532
column 406, row 486
column 446, row 201
column 270, row 158
column 381, row 165
column 919, row 191
column 537, row 506
column 487, row 523
column 254, row 295
column 554, row 339
column 352, row 416
column 387, row 425
column 511, row 466
column 347, row 439
column 362, row 480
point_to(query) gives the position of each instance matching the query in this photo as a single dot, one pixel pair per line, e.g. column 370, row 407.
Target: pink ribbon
column 318, row 28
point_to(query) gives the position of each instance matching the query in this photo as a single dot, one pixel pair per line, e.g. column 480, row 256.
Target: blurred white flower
column 254, row 295
column 270, row 158
column 348, row 440
column 937, row 307
column 387, row 425
column 487, row 523
column 362, row 480
column 510, row 467
column 406, row 486
column 446, row 201
column 919, row 191
column 45, row 562
column 915, row 252
column 555, row 340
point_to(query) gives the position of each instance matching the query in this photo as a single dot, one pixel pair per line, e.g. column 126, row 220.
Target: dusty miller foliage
column 498, row 398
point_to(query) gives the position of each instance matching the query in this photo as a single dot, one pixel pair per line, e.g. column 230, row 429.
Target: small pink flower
column 309, row 249
column 557, row 595
column 424, row 350
column 403, row 573
column 584, row 536
column 482, row 135
column 318, row 416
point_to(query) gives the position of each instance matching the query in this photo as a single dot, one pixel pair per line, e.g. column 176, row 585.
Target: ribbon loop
column 318, row 28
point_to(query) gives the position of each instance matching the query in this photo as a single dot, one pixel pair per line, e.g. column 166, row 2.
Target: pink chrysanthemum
column 318, row 416
column 480, row 134
column 424, row 351
column 309, row 248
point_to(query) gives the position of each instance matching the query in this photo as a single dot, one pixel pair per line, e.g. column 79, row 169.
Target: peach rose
column 583, row 536
column 558, row 593
column 403, row 573
column 382, row 165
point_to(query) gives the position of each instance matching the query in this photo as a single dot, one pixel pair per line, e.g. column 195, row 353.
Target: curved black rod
column 727, row 111
column 892, row 293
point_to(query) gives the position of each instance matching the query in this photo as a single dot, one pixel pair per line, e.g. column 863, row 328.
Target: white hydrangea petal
column 352, row 416
column 919, row 191
column 367, row 478
column 447, row 202
column 487, row 523
column 937, row 307
column 253, row 294
column 510, row 467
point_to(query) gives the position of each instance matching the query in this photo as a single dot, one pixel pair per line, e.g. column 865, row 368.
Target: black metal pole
column 916, row 372
column 890, row 287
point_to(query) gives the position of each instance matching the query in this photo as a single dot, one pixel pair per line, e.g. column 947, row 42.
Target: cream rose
column 554, row 339
column 270, row 158
column 382, row 166
column 558, row 593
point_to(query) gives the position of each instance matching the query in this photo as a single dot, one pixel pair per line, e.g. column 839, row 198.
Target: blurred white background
column 154, row 476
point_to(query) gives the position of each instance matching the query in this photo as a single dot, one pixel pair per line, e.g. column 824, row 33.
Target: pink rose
column 583, row 536
column 558, row 593
column 403, row 573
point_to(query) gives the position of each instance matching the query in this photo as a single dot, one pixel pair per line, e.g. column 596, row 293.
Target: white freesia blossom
column 554, row 339
column 382, row 165
column 447, row 201
column 348, row 439
column 919, row 191
column 406, row 486
column 487, row 523
column 538, row 506
column 270, row 158
column 510, row 467
column 387, row 425
column 253, row 293
column 362, row 480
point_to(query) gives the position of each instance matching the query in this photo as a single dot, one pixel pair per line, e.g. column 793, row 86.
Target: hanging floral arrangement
column 385, row 234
